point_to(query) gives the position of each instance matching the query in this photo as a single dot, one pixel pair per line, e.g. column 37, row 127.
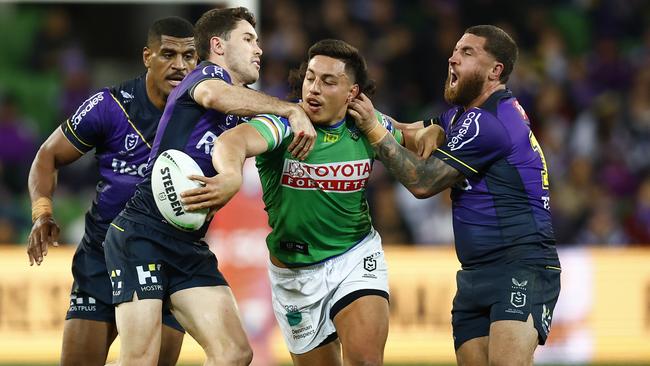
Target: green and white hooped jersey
column 317, row 208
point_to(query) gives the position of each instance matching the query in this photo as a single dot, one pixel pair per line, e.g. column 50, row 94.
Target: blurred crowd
column 583, row 77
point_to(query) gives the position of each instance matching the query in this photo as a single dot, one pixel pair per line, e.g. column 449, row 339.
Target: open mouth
column 174, row 80
column 313, row 105
column 453, row 78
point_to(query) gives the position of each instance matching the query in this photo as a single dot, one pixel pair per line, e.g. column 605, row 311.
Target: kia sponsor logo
column 84, row 108
column 467, row 132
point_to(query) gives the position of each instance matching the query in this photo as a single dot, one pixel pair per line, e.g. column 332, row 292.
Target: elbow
column 422, row 192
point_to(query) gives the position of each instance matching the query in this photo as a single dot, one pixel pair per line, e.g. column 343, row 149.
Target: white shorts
column 306, row 299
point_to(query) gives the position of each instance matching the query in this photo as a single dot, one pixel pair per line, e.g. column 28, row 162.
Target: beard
column 466, row 90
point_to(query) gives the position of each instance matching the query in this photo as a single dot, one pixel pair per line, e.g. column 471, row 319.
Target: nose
column 453, row 59
column 179, row 62
column 258, row 50
column 314, row 88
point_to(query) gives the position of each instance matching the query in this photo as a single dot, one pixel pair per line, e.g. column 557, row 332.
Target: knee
column 510, row 360
column 365, row 358
column 235, row 355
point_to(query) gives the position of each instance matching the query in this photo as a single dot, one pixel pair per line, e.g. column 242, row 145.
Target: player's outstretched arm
column 55, row 152
column 422, row 177
column 228, row 155
column 240, row 101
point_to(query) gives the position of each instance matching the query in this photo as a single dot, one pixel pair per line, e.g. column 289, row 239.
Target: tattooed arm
column 422, row 177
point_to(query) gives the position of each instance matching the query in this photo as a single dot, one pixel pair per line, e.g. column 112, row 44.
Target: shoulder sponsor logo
column 84, row 108
column 467, row 131
column 130, row 141
column 344, row 176
column 213, row 71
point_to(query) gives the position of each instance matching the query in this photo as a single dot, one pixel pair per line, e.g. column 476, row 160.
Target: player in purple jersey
column 119, row 123
column 510, row 278
column 151, row 262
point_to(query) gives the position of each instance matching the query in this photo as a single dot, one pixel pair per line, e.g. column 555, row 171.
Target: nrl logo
column 369, row 263
column 130, row 141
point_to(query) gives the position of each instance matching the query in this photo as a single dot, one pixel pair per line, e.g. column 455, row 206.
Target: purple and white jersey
column 119, row 123
column 501, row 211
column 186, row 126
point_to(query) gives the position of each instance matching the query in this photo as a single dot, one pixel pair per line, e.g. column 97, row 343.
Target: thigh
column 86, row 342
column 362, row 327
column 326, row 355
column 512, row 342
column 139, row 324
column 474, row 352
column 211, row 317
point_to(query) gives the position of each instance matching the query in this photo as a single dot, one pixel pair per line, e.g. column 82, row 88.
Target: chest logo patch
column 130, row 141
column 330, row 138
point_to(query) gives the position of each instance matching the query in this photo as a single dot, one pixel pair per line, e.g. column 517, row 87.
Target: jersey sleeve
column 386, row 122
column 274, row 129
column 86, row 127
column 474, row 143
column 209, row 72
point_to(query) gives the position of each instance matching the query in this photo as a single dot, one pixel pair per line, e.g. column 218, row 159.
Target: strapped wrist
column 376, row 134
column 42, row 206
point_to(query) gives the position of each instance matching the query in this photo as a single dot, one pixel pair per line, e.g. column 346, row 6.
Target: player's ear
column 354, row 92
column 146, row 56
column 216, row 46
column 496, row 71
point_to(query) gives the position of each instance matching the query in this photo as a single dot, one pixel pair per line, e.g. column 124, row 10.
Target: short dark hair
column 355, row 65
column 499, row 44
column 218, row 23
column 170, row 26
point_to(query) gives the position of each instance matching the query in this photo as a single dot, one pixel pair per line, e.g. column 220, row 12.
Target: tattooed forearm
column 422, row 177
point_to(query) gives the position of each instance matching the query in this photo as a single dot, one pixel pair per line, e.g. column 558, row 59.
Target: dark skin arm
column 55, row 152
column 422, row 177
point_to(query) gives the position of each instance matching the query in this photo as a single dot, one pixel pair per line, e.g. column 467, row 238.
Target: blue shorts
column 155, row 264
column 504, row 292
column 91, row 295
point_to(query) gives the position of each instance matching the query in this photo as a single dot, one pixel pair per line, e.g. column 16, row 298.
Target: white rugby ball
column 168, row 181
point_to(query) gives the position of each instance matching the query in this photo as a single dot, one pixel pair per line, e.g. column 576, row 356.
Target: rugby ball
column 168, row 181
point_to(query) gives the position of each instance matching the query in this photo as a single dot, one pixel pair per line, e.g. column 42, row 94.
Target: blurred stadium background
column 583, row 77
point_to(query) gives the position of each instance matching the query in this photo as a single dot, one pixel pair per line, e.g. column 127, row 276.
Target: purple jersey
column 185, row 126
column 119, row 123
column 501, row 210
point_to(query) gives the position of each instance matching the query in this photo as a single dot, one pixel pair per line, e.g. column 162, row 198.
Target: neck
column 155, row 96
column 219, row 60
column 485, row 94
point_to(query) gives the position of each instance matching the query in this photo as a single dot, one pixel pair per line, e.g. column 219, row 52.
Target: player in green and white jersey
column 327, row 269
